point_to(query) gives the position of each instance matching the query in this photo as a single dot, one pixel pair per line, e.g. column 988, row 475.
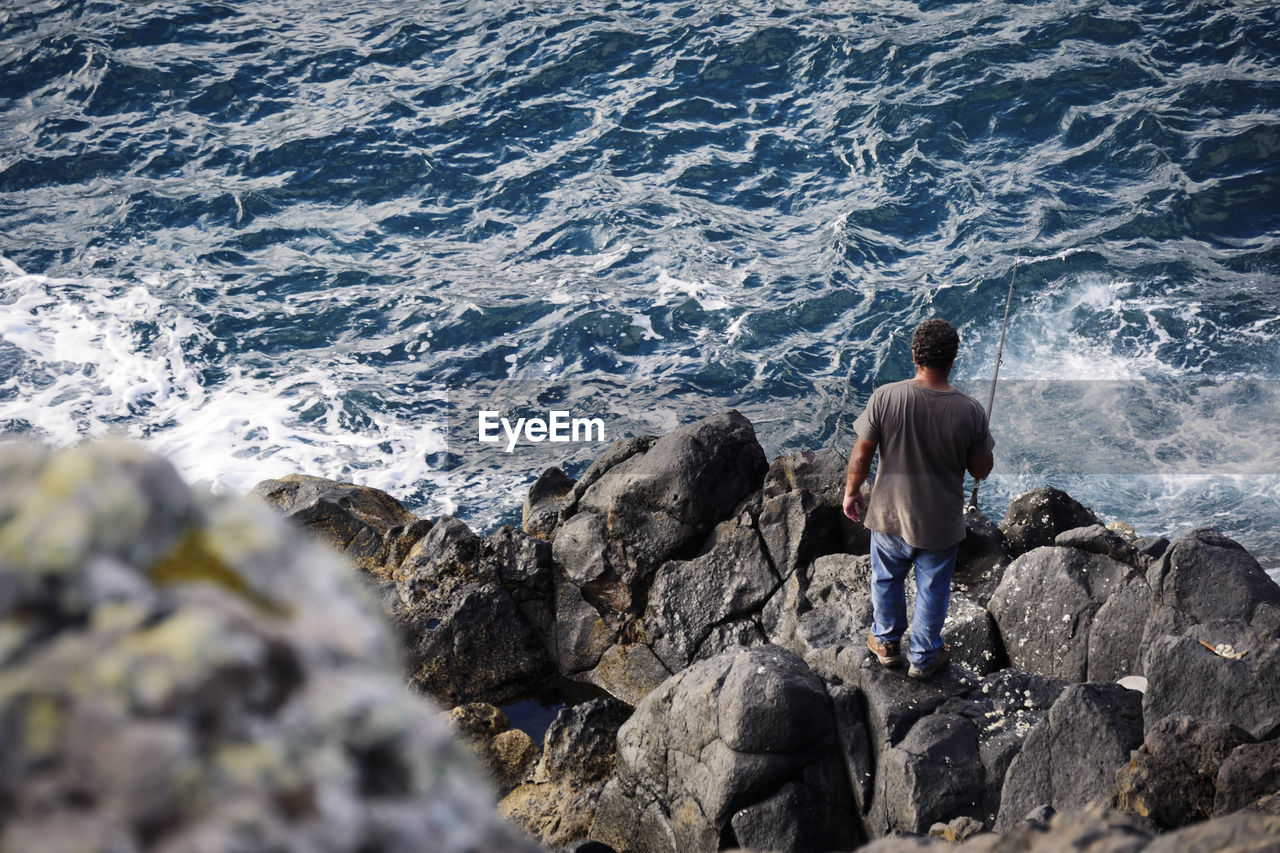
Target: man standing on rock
column 928, row 434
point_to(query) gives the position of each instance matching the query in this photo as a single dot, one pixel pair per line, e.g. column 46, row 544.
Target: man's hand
column 855, row 505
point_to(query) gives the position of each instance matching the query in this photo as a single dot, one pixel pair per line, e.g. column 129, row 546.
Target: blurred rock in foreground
column 179, row 672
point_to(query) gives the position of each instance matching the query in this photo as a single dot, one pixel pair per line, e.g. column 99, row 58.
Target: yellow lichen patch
column 43, row 726
column 192, row 562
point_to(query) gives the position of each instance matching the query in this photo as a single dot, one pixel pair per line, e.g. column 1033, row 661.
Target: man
column 928, row 434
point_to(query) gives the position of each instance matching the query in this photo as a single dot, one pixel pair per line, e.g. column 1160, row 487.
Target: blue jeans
column 891, row 559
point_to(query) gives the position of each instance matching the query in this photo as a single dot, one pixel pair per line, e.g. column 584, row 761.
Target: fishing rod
column 995, row 376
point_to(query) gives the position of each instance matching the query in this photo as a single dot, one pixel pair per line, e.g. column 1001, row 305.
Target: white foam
column 711, row 297
column 102, row 356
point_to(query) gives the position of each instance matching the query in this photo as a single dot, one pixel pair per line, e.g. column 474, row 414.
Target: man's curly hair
column 935, row 344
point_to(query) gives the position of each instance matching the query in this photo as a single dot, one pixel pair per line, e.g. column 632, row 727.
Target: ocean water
column 299, row 236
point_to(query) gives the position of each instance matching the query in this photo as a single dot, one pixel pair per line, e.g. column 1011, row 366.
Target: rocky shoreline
column 711, row 604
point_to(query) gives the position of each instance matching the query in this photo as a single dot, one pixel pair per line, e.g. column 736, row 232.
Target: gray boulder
column 1035, row 519
column 933, row 775
column 646, row 508
column 745, row 742
column 184, row 672
column 1070, row 757
column 1171, row 778
column 1045, row 609
column 1207, row 577
column 1185, row 677
column 1098, row 539
column 645, row 503
column 822, row 474
column 369, row 527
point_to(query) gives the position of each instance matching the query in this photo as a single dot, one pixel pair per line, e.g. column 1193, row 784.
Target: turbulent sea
column 283, row 237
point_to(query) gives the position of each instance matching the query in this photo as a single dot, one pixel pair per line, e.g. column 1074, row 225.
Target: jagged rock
column 723, row 740
column 1248, row 775
column 823, row 475
column 1207, row 577
column 1035, row 518
column 1098, row 539
column 1045, row 608
column 1171, row 779
column 371, row 528
column 643, row 503
column 522, row 564
column 185, row 672
column 934, row 774
column 981, row 557
column 689, row 598
column 465, row 638
column 657, row 502
column 558, row 805
column 1115, row 637
column 1008, row 704
column 1184, row 677
column 1071, row 756
column 541, row 511
column 796, row 528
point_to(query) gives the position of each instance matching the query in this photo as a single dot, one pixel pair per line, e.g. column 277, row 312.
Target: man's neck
column 932, row 378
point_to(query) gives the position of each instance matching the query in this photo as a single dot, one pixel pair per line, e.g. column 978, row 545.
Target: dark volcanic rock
column 981, row 558
column 690, row 598
column 822, row 474
column 1035, row 518
column 371, row 528
column 743, row 742
column 644, row 503
column 465, row 638
column 1184, row 677
column 1207, row 577
column 1045, row 609
column 935, row 774
column 1098, row 539
column 1250, row 773
column 1071, row 756
column 1171, row 779
column 185, row 672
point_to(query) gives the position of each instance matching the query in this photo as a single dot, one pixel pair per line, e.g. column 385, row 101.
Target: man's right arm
column 855, row 475
column 980, row 466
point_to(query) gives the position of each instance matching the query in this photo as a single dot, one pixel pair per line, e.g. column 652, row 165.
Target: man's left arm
column 855, row 505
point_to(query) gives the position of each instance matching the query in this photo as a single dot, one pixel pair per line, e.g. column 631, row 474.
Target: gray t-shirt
column 925, row 440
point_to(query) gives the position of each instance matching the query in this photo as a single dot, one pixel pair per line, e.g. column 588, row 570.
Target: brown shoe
column 941, row 659
column 887, row 653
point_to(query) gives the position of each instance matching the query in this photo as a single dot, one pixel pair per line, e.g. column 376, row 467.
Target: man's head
column 934, row 344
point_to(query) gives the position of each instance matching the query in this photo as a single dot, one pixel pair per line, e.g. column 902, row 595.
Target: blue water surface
column 277, row 236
